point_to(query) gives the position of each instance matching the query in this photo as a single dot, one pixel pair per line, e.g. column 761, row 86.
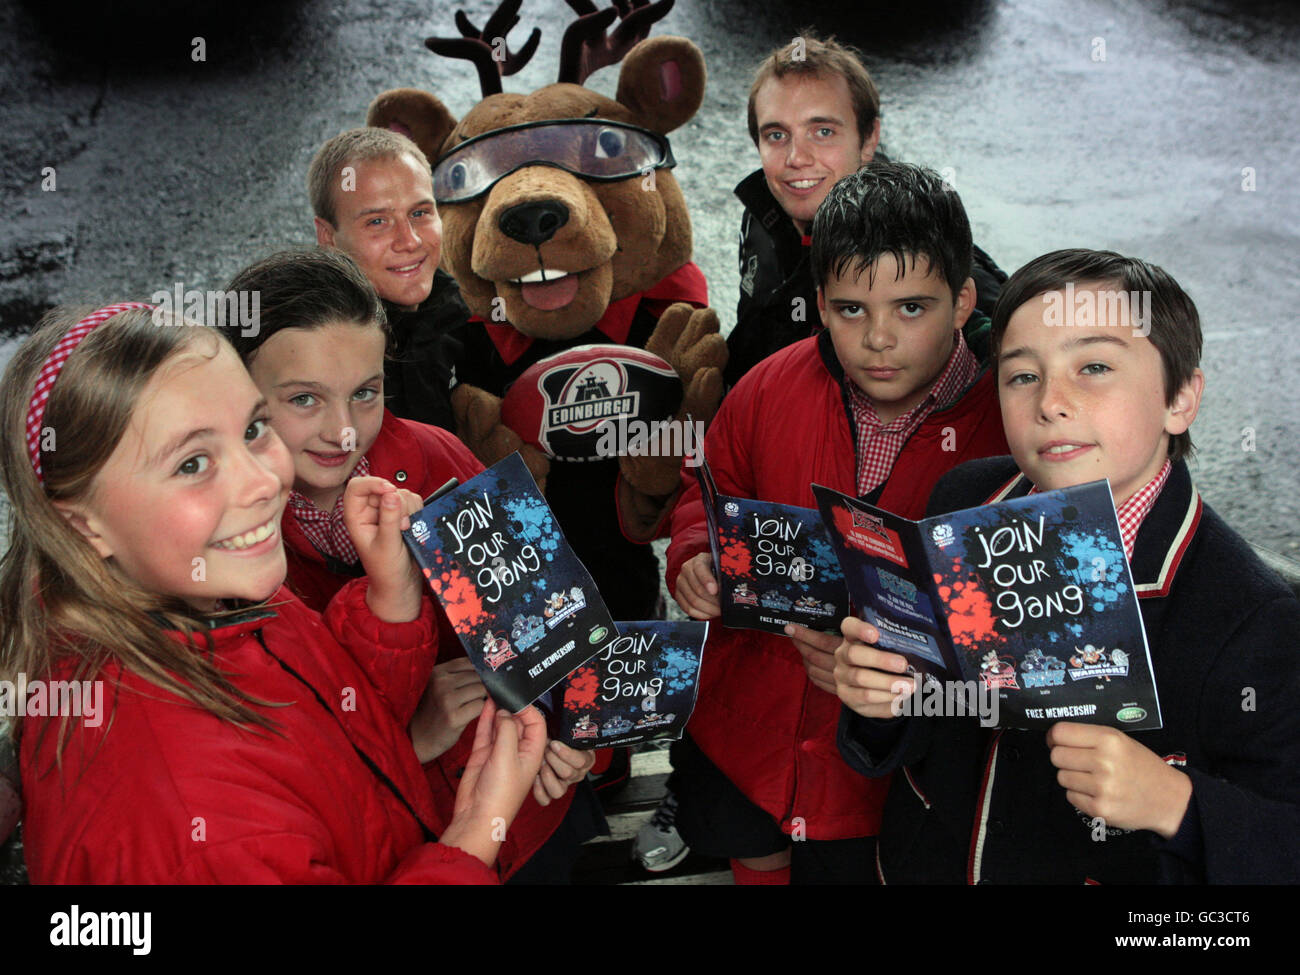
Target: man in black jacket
column 372, row 194
column 814, row 114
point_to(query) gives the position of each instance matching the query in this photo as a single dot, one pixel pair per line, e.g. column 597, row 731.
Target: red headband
column 54, row 365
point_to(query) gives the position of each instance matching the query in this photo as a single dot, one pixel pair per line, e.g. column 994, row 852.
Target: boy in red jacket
column 317, row 355
column 880, row 404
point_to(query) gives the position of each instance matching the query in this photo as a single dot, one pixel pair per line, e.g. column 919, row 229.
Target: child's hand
column 867, row 679
column 508, row 751
column 697, row 590
column 1109, row 775
column 375, row 512
column 563, row 767
column 818, row 652
column 452, row 699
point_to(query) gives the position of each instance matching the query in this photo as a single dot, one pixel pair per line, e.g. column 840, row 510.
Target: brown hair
column 58, row 598
column 348, row 148
column 305, row 289
column 1175, row 324
column 820, row 59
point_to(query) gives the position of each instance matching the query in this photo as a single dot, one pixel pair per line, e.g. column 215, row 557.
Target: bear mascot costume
column 592, row 350
column 565, row 230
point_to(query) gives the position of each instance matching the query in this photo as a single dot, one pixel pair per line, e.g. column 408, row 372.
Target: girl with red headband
column 242, row 737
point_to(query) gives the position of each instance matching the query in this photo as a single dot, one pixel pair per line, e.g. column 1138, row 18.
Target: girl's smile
column 189, row 503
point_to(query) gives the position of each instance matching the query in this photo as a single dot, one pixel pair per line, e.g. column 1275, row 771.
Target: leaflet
column 1029, row 598
column 525, row 608
column 640, row 686
column 773, row 562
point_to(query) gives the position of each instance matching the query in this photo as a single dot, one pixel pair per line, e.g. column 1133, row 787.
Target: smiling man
column 372, row 195
column 814, row 115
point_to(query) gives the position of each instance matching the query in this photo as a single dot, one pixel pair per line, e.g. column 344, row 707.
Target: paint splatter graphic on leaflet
column 734, row 551
column 822, row 556
column 580, row 692
column 458, row 594
column 1097, row 564
column 678, row 667
column 535, row 524
column 460, row 597
column 971, row 618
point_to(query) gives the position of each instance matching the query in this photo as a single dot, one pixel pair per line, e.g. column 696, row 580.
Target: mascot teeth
column 539, row 277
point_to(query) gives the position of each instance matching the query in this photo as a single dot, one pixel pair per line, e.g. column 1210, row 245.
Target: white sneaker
column 658, row 845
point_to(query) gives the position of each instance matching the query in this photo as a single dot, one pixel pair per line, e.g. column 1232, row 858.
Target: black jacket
column 775, row 270
column 424, row 346
column 975, row 805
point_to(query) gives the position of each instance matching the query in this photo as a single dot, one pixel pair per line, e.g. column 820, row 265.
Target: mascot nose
column 533, row 223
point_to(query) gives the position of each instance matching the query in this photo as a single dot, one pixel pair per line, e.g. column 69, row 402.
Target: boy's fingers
column 859, row 631
column 470, row 694
column 1073, row 734
column 1073, row 759
column 462, row 686
column 861, row 655
column 533, row 730
column 569, row 756
column 486, row 724
column 552, row 783
column 1080, row 783
column 866, row 678
column 815, row 639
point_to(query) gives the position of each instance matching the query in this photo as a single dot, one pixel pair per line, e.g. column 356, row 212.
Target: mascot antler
column 585, row 47
column 486, row 48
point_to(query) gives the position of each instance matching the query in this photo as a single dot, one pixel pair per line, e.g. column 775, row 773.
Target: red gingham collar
column 958, row 373
column 1135, row 510
column 326, row 530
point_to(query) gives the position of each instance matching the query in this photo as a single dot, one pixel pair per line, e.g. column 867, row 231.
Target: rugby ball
column 578, row 404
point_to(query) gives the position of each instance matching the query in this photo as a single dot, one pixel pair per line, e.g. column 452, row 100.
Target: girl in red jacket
column 317, row 355
column 184, row 717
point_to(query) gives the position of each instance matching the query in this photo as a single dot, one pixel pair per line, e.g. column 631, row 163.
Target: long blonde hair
column 58, row 598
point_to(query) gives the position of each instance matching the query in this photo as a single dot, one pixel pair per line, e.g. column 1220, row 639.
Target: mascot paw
column 653, row 476
column 641, row 515
column 688, row 339
column 479, row 426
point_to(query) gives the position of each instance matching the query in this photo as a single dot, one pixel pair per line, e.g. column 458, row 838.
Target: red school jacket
column 161, row 791
column 760, row 719
column 422, row 458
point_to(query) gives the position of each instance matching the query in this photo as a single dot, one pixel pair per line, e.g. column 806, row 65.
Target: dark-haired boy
column 814, row 116
column 880, row 404
column 372, row 195
column 1214, row 795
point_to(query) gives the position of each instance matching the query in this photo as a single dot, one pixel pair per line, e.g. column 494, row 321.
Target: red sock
column 747, row 876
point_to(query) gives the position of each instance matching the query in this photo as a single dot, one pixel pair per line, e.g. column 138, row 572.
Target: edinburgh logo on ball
column 591, row 394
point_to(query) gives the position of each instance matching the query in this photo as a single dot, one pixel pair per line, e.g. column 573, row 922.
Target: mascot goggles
column 590, row 148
